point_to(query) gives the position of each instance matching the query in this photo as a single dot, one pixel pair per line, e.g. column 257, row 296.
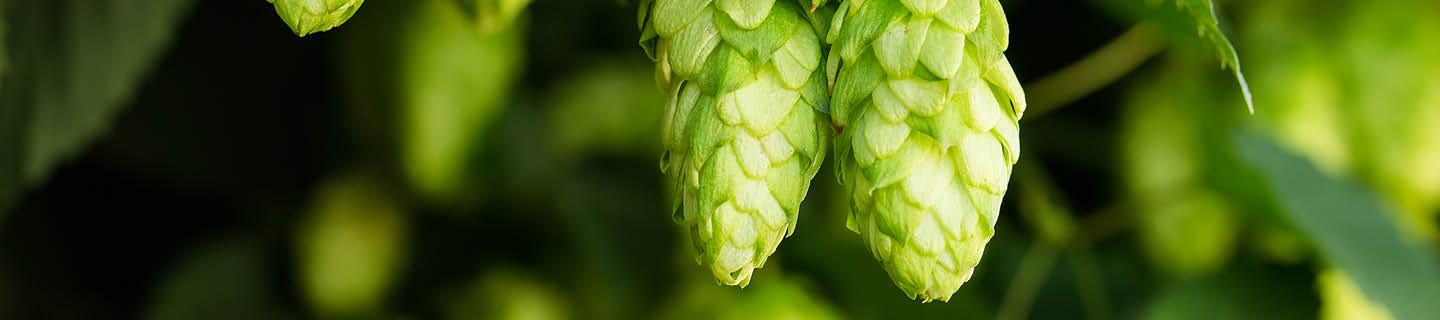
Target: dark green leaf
column 1351, row 228
column 69, row 75
column 226, row 279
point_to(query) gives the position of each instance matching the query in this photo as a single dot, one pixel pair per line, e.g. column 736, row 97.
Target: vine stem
column 1097, row 70
column 1034, row 268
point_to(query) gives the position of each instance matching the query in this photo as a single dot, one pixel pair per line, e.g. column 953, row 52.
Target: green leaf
column 1351, row 228
column 1207, row 24
column 68, row 78
column 226, row 278
column 1246, row 292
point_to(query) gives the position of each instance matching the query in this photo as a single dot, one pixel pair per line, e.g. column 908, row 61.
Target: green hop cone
column 311, row 16
column 743, row 133
column 928, row 105
column 1186, row 227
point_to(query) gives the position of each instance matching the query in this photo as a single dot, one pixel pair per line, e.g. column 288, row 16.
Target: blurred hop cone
column 1193, row 235
column 495, row 15
column 929, row 106
column 312, row 16
column 454, row 83
column 1343, row 301
column 1186, row 228
column 743, row 130
column 350, row 246
column 784, row 298
column 506, row 294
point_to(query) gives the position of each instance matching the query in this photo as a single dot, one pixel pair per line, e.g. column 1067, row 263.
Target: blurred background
column 436, row 159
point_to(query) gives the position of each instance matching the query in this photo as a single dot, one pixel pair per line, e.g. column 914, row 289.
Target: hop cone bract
column 311, row 16
column 928, row 105
column 743, row 132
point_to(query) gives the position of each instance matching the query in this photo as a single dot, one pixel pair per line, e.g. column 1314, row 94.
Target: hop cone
column 742, row 130
column 1186, row 226
column 311, row 16
column 928, row 105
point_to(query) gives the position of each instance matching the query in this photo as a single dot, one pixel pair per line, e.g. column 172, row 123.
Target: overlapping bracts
column 744, row 132
column 928, row 107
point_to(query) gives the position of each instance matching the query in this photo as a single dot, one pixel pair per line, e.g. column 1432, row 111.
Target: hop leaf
column 929, row 107
column 742, row 130
column 312, row 16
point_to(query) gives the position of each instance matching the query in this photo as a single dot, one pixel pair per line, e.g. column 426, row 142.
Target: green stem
column 1089, row 283
column 1099, row 69
column 1034, row 268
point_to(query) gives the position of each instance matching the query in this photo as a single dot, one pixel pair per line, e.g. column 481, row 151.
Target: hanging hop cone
column 928, row 105
column 311, row 16
column 743, row 130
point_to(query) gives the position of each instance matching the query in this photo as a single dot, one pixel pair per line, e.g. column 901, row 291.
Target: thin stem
column 1034, row 268
column 1089, row 283
column 1099, row 69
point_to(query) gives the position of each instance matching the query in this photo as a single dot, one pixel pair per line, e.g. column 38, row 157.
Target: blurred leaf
column 1351, row 228
column 3, row 45
column 69, row 75
column 1239, row 294
column 226, row 279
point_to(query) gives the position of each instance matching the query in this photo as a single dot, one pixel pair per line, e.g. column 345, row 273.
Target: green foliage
column 63, row 87
column 1208, row 27
column 1351, row 228
column 221, row 279
column 1194, row 22
column 1247, row 293
column 535, row 143
column 1344, row 301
